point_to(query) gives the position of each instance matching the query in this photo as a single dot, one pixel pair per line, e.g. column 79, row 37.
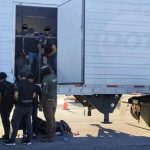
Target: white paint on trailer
column 69, row 57
column 117, row 48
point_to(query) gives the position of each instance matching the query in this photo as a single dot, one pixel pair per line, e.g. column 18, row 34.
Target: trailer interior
column 37, row 18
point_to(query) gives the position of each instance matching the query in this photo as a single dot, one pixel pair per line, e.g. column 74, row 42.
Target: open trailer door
column 70, row 42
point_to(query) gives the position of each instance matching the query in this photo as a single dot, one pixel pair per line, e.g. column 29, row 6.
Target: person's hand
column 27, row 56
column 39, row 46
column 45, row 42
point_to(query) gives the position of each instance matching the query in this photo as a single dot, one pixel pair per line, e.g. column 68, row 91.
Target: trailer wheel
column 135, row 111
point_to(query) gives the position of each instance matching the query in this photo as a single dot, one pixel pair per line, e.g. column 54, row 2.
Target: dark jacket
column 7, row 93
column 31, row 45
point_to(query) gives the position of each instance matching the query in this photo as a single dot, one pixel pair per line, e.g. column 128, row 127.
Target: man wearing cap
column 49, row 101
column 6, row 103
column 32, row 51
column 50, row 49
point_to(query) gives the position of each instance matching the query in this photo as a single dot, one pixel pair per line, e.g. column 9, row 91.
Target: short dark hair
column 3, row 75
column 22, row 74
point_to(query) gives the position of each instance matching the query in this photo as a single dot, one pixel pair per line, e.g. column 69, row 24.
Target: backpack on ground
column 61, row 127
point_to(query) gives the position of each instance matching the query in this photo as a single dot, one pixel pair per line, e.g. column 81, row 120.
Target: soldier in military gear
column 49, row 101
column 24, row 94
column 6, row 103
column 38, row 96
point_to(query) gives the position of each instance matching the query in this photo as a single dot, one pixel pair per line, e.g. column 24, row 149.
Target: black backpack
column 63, row 127
column 7, row 93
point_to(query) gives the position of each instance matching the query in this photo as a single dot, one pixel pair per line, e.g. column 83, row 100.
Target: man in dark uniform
column 38, row 97
column 49, row 101
column 6, row 103
column 24, row 94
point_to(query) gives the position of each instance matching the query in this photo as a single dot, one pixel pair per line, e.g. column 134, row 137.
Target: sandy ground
column 124, row 133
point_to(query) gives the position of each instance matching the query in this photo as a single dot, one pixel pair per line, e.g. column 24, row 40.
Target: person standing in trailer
column 32, row 51
column 50, row 48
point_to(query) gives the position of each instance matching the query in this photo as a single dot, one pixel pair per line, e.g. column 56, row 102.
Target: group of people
column 24, row 98
column 34, row 49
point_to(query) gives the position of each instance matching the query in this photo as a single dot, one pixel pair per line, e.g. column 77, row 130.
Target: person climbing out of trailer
column 22, row 65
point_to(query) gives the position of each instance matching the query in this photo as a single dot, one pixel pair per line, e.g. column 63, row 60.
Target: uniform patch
column 54, row 80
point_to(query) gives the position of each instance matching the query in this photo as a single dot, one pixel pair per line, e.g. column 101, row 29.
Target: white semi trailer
column 103, row 45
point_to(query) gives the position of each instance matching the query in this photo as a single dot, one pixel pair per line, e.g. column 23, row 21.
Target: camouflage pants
column 49, row 109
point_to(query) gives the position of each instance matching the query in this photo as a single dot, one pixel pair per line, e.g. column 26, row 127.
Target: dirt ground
column 123, row 133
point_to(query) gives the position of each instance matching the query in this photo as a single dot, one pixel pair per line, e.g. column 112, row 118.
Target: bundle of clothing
column 61, row 127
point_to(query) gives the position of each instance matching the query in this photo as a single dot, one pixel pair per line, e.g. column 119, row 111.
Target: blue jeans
column 34, row 62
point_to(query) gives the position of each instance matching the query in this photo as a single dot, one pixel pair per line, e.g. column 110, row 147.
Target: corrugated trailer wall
column 6, row 36
column 7, row 31
column 117, row 42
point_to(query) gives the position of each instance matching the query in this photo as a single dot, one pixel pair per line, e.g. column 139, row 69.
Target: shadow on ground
column 107, row 139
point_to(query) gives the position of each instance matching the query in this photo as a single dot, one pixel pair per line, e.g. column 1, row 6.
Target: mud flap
column 105, row 103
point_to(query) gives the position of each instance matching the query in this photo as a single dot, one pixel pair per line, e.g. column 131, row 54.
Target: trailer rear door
column 70, row 49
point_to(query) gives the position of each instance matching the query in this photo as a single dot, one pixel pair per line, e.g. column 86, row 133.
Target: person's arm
column 34, row 95
column 16, row 92
column 54, row 50
column 39, row 92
